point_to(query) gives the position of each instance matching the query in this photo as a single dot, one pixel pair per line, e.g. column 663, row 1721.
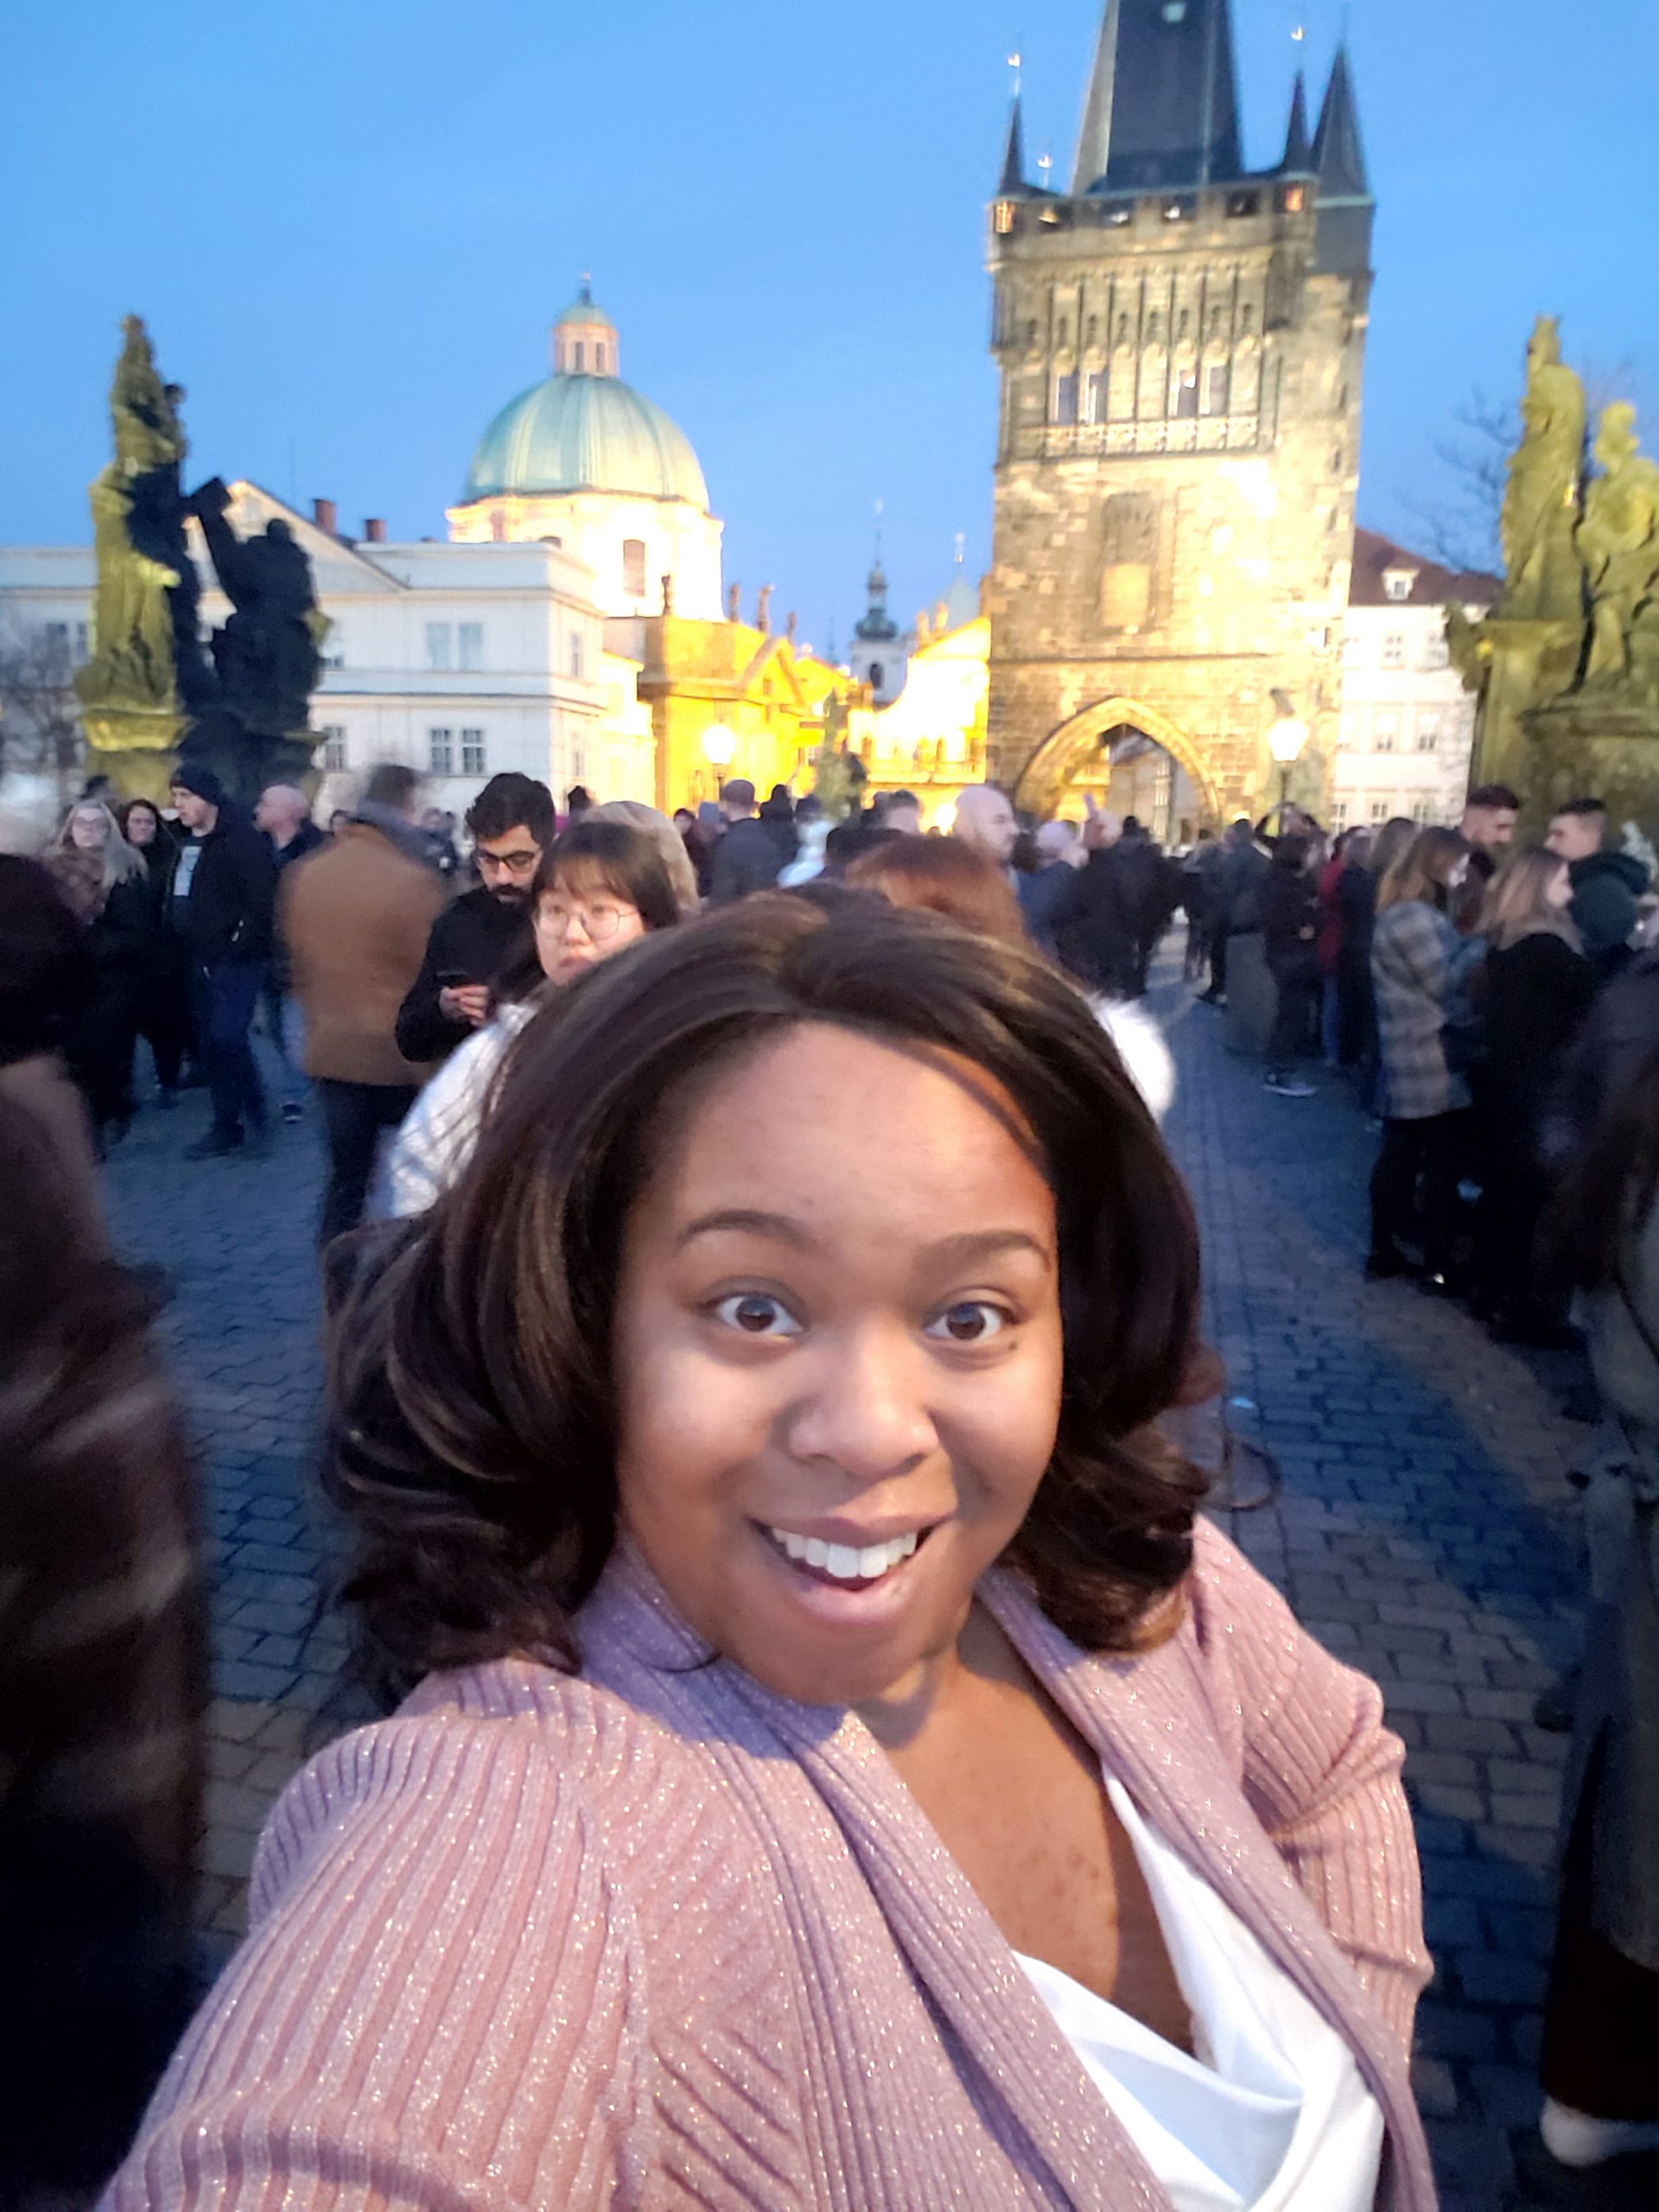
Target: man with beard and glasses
column 511, row 822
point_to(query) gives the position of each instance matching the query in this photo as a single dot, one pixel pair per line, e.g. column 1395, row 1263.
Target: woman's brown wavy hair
column 473, row 1407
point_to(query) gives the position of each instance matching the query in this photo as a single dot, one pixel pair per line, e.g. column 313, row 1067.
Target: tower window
column 1187, row 394
column 633, row 567
column 1002, row 221
column 580, row 357
column 1293, row 200
column 1065, row 399
column 578, row 654
column 1217, row 388
column 1097, row 397
column 1243, row 203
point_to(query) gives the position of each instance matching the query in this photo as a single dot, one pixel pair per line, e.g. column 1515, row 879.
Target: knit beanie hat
column 202, row 781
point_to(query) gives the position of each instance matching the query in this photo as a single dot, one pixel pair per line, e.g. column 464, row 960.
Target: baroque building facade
column 1181, row 344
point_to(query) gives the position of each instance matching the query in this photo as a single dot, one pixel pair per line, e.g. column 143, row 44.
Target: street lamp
column 1285, row 741
column 719, row 746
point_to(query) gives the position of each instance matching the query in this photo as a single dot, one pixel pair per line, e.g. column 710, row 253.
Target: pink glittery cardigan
column 655, row 1938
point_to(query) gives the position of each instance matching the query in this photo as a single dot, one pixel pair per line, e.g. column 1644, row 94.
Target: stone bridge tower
column 1182, row 348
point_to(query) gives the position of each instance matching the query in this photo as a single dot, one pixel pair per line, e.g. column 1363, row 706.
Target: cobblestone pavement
column 1424, row 1529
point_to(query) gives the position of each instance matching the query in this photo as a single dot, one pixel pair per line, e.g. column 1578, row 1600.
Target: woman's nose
column 866, row 1409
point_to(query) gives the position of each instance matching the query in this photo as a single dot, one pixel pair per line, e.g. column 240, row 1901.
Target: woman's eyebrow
column 747, row 1221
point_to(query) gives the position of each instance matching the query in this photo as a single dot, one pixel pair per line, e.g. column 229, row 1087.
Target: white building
column 462, row 660
column 1408, row 724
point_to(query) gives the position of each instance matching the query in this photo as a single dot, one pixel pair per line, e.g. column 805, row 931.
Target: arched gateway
column 1094, row 746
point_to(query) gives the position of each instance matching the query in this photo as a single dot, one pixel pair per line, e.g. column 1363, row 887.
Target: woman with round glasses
column 601, row 888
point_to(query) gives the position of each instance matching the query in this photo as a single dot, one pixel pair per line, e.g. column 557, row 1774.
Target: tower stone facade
column 1182, row 349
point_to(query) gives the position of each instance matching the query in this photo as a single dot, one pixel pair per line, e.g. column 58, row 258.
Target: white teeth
column 841, row 1560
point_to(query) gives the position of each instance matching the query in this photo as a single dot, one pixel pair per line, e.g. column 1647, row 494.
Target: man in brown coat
column 355, row 918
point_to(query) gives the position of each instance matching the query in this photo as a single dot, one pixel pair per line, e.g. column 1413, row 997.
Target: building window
column 582, row 357
column 333, row 651
column 1436, row 652
column 1217, row 388
column 1293, row 199
column 438, row 645
column 1187, row 394
column 633, row 567
column 441, row 752
column 1097, row 397
column 1379, row 810
column 578, row 653
column 1339, row 814
column 469, row 640
column 1384, row 730
column 1065, row 400
column 1394, row 649
column 472, row 753
column 1421, row 810
column 1002, row 221
column 1397, row 584
column 334, row 755
column 1428, row 732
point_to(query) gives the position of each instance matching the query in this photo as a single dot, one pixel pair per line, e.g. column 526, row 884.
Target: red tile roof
column 1431, row 585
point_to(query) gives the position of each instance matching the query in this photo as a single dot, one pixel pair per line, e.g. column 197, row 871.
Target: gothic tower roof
column 1013, row 163
column 1163, row 101
column 1299, row 146
column 1339, row 151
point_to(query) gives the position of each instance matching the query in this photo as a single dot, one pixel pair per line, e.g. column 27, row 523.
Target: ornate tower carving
column 1182, row 344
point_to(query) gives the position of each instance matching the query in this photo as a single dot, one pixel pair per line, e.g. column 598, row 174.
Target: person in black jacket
column 1093, row 923
column 749, row 857
column 1533, row 990
column 163, row 1009
column 221, row 902
column 487, row 930
column 1290, row 928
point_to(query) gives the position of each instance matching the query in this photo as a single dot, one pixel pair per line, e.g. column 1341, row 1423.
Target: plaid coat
column 1421, row 969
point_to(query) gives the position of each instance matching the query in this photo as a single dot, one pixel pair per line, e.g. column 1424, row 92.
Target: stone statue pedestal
column 133, row 747
column 1594, row 743
column 1520, row 661
column 245, row 760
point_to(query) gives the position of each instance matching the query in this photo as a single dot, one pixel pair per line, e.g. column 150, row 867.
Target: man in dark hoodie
column 1605, row 885
column 219, row 907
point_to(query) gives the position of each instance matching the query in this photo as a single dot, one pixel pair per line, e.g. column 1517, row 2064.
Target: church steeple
column 1014, row 163
column 1298, row 148
column 1339, row 151
column 1163, row 101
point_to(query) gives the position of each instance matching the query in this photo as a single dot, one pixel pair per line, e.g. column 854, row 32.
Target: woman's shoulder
column 514, row 1747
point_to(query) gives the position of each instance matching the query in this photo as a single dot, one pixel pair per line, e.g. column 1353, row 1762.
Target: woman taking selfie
column 837, row 1771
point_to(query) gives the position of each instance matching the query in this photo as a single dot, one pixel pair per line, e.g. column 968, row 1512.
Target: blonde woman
column 1420, row 970
column 104, row 884
column 1535, row 990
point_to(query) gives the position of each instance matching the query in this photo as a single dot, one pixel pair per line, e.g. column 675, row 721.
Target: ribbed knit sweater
column 653, row 1937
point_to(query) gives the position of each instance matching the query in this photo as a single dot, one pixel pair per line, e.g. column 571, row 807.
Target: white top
column 440, row 1130
column 1273, row 2115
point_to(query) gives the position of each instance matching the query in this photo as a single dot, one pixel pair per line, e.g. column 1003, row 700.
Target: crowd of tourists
column 796, row 1630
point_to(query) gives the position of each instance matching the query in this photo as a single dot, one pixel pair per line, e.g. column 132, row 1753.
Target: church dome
column 584, row 430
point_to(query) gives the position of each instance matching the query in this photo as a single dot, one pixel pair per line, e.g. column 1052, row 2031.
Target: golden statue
column 1540, row 507
column 1618, row 542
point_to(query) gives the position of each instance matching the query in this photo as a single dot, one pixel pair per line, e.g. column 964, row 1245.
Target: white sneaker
column 1289, row 1086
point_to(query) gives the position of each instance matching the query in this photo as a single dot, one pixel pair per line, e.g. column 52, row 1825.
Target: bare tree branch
column 40, row 715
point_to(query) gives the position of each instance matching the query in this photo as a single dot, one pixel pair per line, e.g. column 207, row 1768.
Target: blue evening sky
column 349, row 223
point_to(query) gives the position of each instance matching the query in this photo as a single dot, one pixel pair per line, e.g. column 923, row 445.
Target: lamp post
column 719, row 750
column 1285, row 741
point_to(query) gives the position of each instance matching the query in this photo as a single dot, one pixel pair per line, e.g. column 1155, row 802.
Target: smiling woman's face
column 838, row 1357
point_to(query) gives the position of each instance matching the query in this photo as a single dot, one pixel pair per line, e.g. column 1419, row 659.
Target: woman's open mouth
column 844, row 1567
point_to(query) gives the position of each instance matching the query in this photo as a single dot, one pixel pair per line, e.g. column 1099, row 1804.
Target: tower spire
column 1339, row 149
column 1014, row 161
column 1299, row 146
column 1162, row 108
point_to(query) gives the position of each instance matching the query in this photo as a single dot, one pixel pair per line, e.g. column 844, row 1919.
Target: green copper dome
column 585, row 433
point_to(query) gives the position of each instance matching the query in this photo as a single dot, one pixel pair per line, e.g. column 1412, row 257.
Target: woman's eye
column 752, row 1313
column 974, row 1322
